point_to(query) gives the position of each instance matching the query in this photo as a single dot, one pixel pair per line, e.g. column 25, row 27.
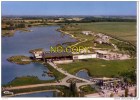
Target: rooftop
column 57, row 54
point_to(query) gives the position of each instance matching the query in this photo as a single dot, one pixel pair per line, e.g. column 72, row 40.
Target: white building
column 38, row 54
column 84, row 56
column 87, row 33
column 101, row 41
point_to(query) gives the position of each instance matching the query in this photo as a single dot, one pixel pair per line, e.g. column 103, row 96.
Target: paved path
column 34, row 85
column 67, row 74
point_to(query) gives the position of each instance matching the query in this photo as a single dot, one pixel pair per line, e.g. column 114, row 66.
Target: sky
column 69, row 8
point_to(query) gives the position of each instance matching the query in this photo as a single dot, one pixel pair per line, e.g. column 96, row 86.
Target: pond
column 83, row 74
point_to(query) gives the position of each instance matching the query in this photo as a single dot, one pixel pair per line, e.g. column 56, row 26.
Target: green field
column 100, row 68
column 123, row 30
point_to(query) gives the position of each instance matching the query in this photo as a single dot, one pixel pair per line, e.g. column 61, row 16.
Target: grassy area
column 56, row 73
column 87, row 44
column 87, row 89
column 122, row 30
column 22, row 60
column 100, row 68
column 26, row 80
column 107, row 46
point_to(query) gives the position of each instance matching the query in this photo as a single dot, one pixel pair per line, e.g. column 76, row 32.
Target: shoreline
column 11, row 33
column 77, row 38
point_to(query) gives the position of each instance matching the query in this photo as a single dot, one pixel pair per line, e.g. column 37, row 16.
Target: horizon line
column 69, row 15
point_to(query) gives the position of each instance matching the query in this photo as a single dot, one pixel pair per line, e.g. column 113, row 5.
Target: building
column 58, row 56
column 106, row 55
column 62, row 57
column 101, row 38
column 101, row 41
column 84, row 56
column 87, row 33
column 67, row 57
column 38, row 54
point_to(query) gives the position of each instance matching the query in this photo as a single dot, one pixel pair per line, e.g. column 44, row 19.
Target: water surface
column 21, row 43
column 83, row 74
column 39, row 94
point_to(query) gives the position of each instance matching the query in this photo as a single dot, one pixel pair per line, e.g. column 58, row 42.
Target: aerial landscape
column 69, row 49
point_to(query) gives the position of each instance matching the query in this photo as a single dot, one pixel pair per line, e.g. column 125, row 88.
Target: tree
column 73, row 89
column 126, row 92
column 135, row 92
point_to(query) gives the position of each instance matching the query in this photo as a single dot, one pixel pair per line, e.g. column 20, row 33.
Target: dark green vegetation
column 22, row 60
column 90, row 19
column 129, row 76
column 87, row 89
column 56, row 73
column 27, row 80
column 100, row 68
column 73, row 89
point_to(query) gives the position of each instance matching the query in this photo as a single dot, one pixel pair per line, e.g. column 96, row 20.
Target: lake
column 21, row 43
